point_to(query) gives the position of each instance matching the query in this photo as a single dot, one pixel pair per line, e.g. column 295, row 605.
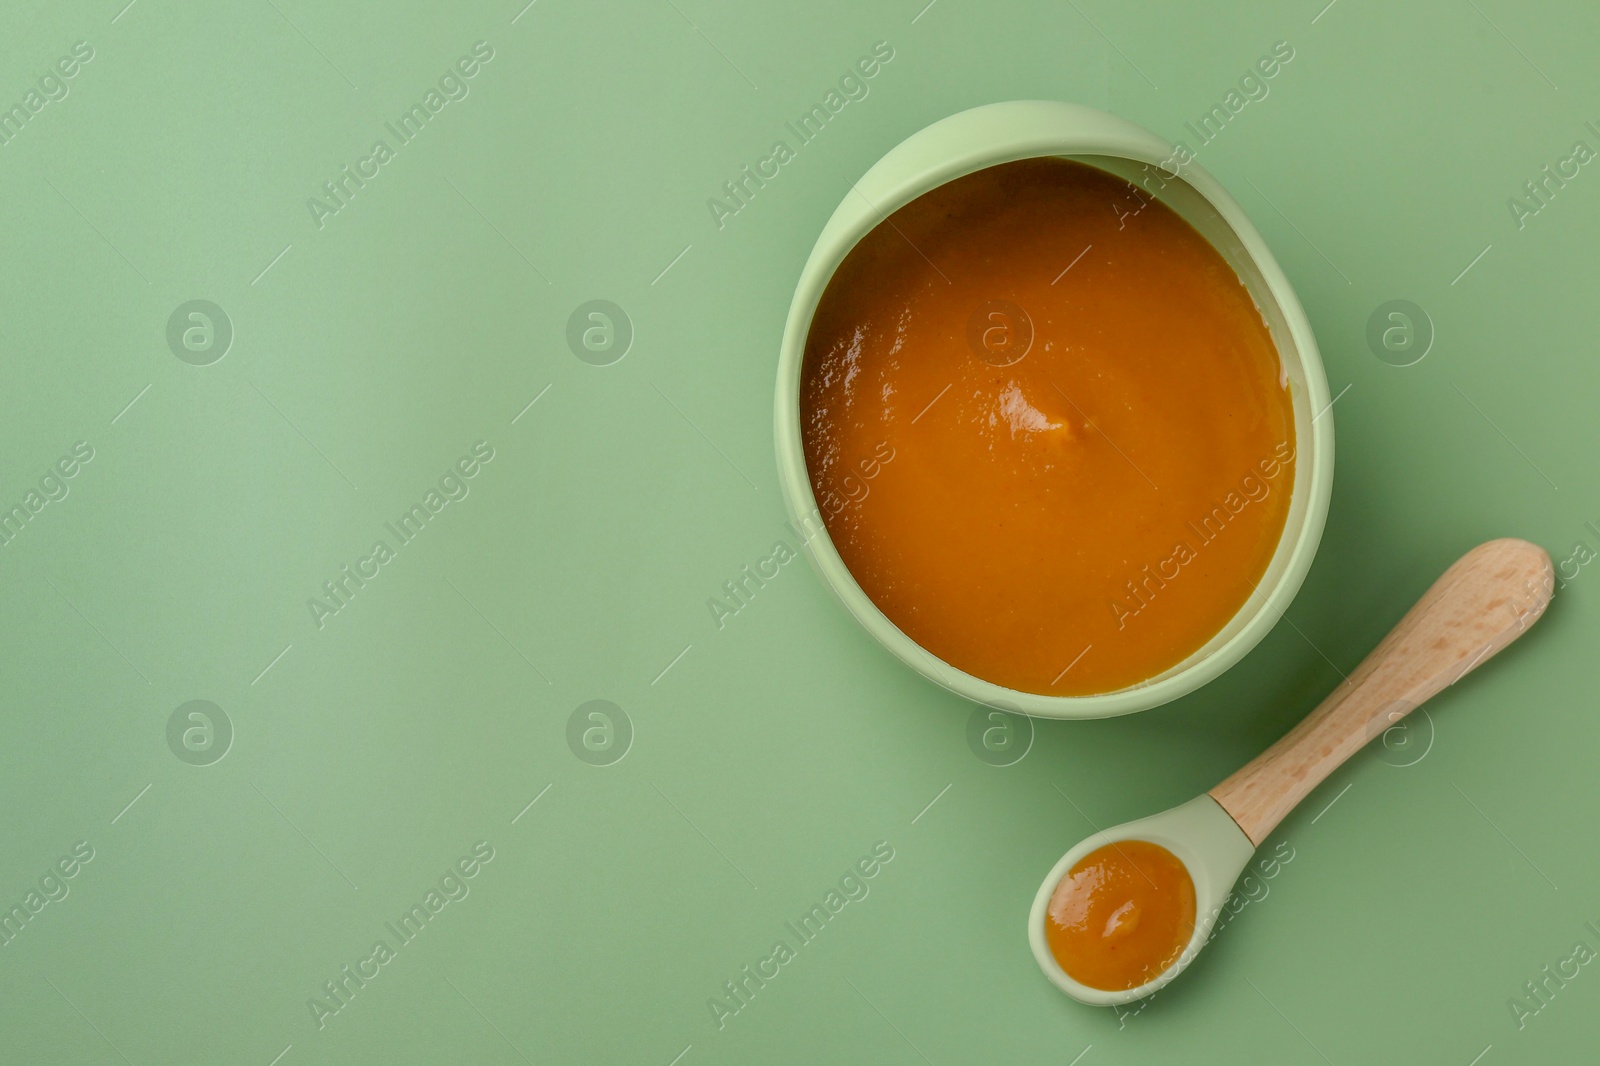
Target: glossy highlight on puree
column 1093, row 433
column 1121, row 916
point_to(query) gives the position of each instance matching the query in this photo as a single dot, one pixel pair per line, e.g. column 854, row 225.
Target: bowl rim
column 961, row 144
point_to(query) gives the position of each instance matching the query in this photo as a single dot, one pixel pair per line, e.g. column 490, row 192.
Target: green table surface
column 354, row 352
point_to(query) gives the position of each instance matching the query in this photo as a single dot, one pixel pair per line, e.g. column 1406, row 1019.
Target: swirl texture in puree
column 1091, row 464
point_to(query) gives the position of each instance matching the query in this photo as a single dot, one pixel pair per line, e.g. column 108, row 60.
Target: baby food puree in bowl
column 1049, row 417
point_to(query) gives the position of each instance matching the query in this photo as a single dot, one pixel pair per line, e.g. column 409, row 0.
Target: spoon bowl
column 1204, row 838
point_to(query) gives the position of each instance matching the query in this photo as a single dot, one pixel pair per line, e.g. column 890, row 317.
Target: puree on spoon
column 1091, row 430
column 1121, row 916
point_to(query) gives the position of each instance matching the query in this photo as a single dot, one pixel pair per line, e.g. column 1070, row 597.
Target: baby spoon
column 1477, row 607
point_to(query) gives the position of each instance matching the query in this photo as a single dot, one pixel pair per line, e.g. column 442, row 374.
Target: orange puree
column 1047, row 427
column 1121, row 916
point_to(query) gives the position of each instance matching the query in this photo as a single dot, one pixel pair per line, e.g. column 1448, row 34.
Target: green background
column 1453, row 864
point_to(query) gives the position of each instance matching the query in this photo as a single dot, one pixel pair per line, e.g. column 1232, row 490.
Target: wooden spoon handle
column 1477, row 607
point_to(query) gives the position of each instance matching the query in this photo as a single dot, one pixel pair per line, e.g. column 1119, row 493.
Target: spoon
column 1481, row 604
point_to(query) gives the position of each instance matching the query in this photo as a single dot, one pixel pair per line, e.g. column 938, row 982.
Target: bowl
column 1024, row 129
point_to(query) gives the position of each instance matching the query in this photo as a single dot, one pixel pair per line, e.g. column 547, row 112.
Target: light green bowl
column 1023, row 129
